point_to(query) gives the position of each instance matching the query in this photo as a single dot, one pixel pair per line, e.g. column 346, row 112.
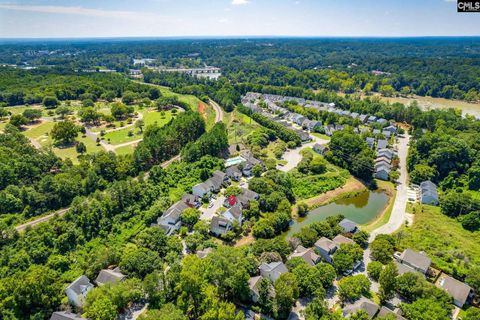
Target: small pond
column 361, row 209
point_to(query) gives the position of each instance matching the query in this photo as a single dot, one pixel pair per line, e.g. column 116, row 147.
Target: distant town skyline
column 184, row 18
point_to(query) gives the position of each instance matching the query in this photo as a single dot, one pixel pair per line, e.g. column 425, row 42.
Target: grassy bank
column 450, row 246
column 389, row 189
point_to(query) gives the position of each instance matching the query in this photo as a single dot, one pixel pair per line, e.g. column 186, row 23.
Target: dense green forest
column 439, row 67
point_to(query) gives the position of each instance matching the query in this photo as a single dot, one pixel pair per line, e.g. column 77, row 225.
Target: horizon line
column 220, row 37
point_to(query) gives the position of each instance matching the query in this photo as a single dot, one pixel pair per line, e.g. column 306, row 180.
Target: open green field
column 41, row 134
column 125, row 149
column 450, row 246
column 149, row 117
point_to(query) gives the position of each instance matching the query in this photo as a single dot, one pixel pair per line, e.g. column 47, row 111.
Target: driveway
column 399, row 215
column 293, row 156
column 209, row 213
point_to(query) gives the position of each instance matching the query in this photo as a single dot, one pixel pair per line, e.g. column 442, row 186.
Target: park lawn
column 121, row 136
column 2, row 125
column 149, row 117
column 71, row 152
column 446, row 242
column 40, row 132
column 129, row 149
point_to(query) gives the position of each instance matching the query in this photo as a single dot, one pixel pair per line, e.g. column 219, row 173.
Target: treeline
column 160, row 144
column 33, row 86
column 211, row 143
column 280, row 131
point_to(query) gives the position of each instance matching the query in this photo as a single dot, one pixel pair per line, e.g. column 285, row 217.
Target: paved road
column 218, row 111
column 209, row 213
column 399, row 215
column 293, row 157
column 33, row 223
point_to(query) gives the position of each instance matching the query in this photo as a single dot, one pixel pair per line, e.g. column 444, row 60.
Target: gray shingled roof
column 79, row 285
column 416, row 259
column 63, row 315
column 457, row 289
column 362, row 304
column 109, row 276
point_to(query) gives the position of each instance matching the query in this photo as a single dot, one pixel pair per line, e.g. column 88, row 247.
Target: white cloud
column 240, row 2
column 132, row 15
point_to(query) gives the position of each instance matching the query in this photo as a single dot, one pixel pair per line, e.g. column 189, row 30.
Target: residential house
column 234, row 173
column 385, row 152
column 382, row 121
column 382, row 171
column 459, row 291
column 308, row 255
column 382, row 159
column 202, row 189
column 272, row 270
column 304, row 136
column 191, row 200
column 320, row 149
column 370, row 142
column 203, row 253
column 371, row 119
column 363, row 118
column 298, row 119
column 220, row 225
column 247, row 195
column 355, row 115
column 64, row 315
column 77, row 291
column 428, row 193
column 234, row 213
column 364, row 304
column 390, row 128
column 385, row 312
column 314, row 125
column 387, row 134
column 253, row 284
column 382, row 144
column 341, row 239
column 326, row 248
column 417, row 261
column 329, row 129
column 170, row 219
column 376, row 131
column 109, row 276
column 339, row 127
column 348, row 226
column 213, row 184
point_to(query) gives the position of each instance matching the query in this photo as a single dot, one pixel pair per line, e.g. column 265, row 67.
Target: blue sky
column 128, row 18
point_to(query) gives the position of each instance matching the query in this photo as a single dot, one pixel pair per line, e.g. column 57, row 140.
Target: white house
column 77, row 291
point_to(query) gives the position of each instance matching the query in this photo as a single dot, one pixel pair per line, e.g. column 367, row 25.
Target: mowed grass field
column 149, row 117
column 450, row 246
column 41, row 134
